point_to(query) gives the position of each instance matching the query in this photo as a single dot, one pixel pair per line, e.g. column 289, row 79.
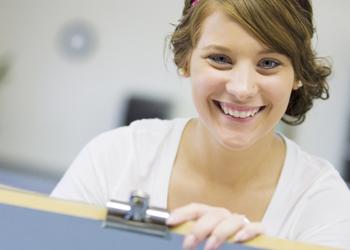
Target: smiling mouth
column 238, row 114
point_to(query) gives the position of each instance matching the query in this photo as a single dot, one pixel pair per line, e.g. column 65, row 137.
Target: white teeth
column 226, row 111
column 238, row 114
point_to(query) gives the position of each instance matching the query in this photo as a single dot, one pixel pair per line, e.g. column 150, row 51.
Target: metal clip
column 136, row 215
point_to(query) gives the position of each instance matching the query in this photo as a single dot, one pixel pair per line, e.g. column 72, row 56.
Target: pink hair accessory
column 194, row 2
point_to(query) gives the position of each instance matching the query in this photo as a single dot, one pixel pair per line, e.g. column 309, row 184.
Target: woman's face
column 240, row 87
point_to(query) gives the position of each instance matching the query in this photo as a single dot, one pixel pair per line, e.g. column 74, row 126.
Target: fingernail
column 211, row 243
column 241, row 236
column 189, row 242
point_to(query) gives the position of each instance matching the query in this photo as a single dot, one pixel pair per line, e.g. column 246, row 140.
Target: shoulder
column 313, row 175
column 156, row 127
column 129, row 157
column 308, row 168
column 117, row 160
column 150, row 130
column 311, row 202
column 318, row 192
column 139, row 142
column 317, row 186
column 309, row 179
column 155, row 123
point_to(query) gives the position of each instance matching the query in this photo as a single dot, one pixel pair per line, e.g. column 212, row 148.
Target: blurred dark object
column 5, row 62
column 346, row 172
column 139, row 107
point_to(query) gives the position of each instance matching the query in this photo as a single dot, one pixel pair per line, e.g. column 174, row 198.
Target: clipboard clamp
column 136, row 215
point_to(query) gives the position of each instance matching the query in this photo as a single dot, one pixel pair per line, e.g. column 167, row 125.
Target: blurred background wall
column 73, row 65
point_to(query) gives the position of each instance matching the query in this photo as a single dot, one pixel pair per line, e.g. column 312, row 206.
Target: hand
column 215, row 224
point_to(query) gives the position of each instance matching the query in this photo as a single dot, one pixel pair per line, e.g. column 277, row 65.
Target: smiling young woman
column 251, row 65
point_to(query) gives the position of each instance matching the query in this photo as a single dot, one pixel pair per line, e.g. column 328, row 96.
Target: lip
column 237, row 107
column 240, row 108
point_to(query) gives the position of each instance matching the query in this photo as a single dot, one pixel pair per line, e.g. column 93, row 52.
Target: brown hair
column 286, row 26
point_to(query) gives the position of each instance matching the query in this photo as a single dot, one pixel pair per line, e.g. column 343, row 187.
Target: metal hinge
column 136, row 215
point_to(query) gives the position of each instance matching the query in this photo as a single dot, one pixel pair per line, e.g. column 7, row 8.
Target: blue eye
column 268, row 63
column 220, row 59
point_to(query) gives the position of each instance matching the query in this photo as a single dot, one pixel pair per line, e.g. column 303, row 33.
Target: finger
column 189, row 212
column 224, row 230
column 208, row 222
column 249, row 231
column 189, row 242
column 204, row 226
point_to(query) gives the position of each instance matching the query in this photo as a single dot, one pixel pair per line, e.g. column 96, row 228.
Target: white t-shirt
column 311, row 202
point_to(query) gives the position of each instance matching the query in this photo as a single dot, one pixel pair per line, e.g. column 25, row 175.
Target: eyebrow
column 216, row 47
column 225, row 49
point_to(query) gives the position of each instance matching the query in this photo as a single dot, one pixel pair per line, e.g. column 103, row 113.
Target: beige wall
column 327, row 126
column 51, row 106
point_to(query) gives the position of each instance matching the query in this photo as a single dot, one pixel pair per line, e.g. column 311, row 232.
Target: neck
column 219, row 165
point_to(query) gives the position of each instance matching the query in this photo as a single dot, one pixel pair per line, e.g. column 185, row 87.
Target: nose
column 242, row 83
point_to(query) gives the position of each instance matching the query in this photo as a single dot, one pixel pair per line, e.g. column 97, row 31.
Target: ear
column 187, row 73
column 183, row 72
column 297, row 85
column 186, row 67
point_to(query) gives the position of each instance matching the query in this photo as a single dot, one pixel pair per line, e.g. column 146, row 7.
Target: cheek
column 208, row 81
column 205, row 85
column 278, row 91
